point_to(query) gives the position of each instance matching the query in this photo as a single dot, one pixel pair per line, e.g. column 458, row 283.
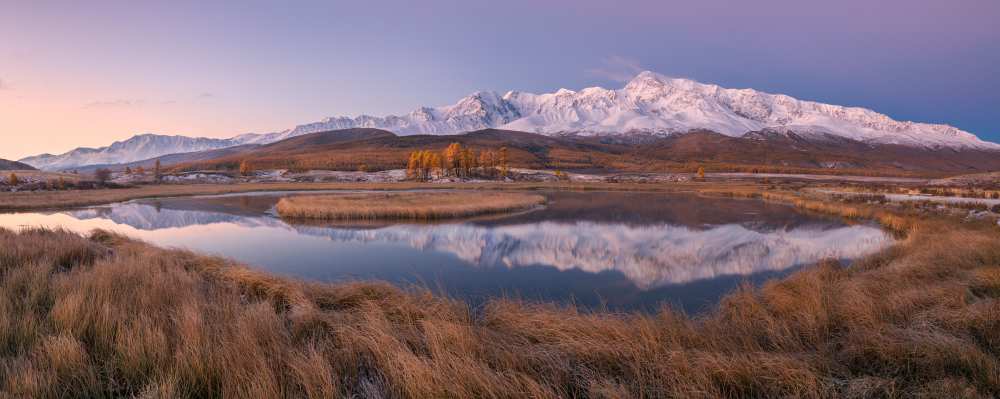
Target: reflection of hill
column 148, row 217
column 650, row 256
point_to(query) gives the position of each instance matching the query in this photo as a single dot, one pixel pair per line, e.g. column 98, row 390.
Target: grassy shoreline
column 404, row 206
column 104, row 316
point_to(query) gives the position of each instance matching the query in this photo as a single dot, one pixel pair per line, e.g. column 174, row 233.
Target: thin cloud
column 130, row 102
column 617, row 68
column 118, row 103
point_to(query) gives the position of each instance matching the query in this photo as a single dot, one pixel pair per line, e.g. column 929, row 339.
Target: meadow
column 107, row 316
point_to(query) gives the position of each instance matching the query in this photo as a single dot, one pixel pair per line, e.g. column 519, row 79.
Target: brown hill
column 758, row 151
column 380, row 150
column 14, row 165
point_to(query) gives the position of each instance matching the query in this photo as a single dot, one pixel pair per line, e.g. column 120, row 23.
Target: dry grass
column 44, row 176
column 105, row 316
column 405, row 206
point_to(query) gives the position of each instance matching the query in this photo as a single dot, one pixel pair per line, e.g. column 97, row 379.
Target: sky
column 86, row 73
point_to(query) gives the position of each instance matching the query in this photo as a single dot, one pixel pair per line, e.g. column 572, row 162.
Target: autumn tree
column 467, row 160
column 61, row 183
column 245, row 168
column 425, row 164
column 463, row 164
column 13, row 180
column 157, row 171
column 452, row 158
column 701, row 173
column 486, row 163
column 412, row 165
column 102, row 175
column 456, row 160
column 436, row 164
column 128, row 170
column 140, row 170
column 502, row 161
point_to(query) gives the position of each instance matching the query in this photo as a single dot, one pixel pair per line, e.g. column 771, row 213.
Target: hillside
column 769, row 151
column 13, row 165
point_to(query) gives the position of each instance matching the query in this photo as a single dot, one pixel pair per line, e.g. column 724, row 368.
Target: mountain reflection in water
column 623, row 250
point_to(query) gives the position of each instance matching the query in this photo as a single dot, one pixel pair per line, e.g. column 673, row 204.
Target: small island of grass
column 405, row 206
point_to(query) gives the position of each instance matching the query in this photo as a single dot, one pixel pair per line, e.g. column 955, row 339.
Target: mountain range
column 649, row 106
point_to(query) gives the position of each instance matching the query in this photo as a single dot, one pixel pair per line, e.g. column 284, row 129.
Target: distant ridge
column 137, row 148
column 13, row 165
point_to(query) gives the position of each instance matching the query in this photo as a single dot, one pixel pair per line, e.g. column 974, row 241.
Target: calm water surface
column 625, row 251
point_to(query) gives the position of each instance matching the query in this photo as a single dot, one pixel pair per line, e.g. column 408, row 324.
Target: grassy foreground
column 105, row 316
column 405, row 206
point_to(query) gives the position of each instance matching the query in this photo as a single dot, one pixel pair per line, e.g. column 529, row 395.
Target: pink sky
column 76, row 73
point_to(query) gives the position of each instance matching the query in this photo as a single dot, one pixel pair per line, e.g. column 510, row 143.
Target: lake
column 616, row 250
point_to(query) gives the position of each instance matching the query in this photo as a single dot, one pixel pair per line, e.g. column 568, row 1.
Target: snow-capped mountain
column 137, row 148
column 655, row 104
column 650, row 104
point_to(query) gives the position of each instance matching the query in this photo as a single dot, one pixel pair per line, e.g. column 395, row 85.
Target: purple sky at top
column 78, row 73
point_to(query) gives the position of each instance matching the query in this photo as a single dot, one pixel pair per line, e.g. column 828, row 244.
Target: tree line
column 457, row 161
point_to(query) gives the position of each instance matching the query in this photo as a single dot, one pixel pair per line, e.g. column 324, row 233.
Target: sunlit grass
column 405, row 206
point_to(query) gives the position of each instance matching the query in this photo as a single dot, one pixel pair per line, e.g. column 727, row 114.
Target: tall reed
column 405, row 205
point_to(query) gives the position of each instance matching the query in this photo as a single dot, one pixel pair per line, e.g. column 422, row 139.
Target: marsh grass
column 405, row 205
column 106, row 316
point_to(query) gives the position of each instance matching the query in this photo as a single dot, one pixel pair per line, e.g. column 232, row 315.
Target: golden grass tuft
column 405, row 205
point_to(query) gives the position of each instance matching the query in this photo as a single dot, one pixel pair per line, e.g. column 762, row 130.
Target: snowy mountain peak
column 652, row 103
column 646, row 80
